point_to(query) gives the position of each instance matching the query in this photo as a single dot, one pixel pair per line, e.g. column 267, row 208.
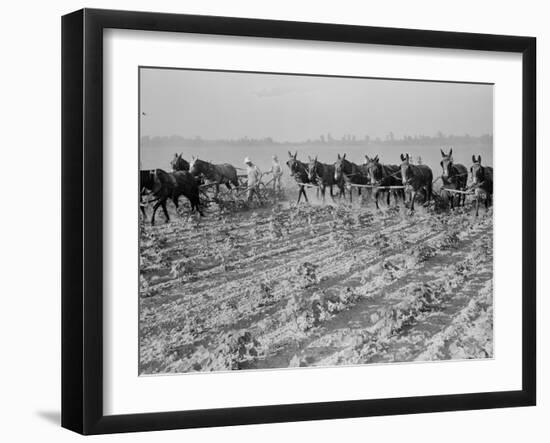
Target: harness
column 351, row 174
column 294, row 174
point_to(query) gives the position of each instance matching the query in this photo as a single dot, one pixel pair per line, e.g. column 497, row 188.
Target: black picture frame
column 82, row 219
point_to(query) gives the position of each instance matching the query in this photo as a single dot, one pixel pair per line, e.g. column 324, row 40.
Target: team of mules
column 416, row 180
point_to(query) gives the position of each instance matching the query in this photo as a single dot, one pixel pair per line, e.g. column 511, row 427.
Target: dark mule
column 482, row 177
column 322, row 175
column 346, row 172
column 416, row 178
column 222, row 174
column 172, row 185
column 454, row 176
column 384, row 175
column 298, row 171
column 178, row 163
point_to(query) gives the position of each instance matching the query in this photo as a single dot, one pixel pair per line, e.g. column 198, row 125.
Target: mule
column 298, row 171
column 349, row 173
column 322, row 175
column 416, row 178
column 482, row 178
column 178, row 163
column 172, row 185
column 221, row 174
column 384, row 175
column 454, row 176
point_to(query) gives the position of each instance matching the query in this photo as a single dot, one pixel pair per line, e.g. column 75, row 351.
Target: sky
column 230, row 105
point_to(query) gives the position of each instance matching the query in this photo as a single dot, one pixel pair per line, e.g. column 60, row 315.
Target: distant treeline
column 348, row 140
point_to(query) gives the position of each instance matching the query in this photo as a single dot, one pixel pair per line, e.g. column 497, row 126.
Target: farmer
column 254, row 176
column 277, row 172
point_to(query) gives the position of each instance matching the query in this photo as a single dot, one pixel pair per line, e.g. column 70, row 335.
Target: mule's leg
column 157, row 204
column 142, row 206
column 305, row 195
column 165, row 210
column 376, row 195
column 197, row 203
column 413, row 198
column 176, row 203
column 428, row 193
column 300, row 190
column 477, row 206
column 332, row 194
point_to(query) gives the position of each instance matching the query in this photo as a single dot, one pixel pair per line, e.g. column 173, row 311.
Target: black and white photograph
column 291, row 221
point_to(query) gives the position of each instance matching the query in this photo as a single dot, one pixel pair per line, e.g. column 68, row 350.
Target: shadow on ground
column 54, row 417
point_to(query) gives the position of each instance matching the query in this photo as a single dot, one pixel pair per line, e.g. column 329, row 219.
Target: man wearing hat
column 254, row 176
column 277, row 172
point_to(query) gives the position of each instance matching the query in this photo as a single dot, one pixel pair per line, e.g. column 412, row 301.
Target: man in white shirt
column 254, row 176
column 277, row 172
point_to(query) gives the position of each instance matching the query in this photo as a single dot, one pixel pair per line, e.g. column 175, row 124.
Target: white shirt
column 254, row 175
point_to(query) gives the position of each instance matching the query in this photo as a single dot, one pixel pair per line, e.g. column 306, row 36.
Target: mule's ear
column 338, row 156
column 289, row 154
column 367, row 157
column 479, row 159
column 451, row 152
column 376, row 158
column 402, row 158
column 344, row 156
column 407, row 157
column 442, row 153
column 316, row 157
column 295, row 155
column 473, row 158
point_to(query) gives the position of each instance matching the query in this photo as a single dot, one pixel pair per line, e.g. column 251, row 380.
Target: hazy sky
column 216, row 105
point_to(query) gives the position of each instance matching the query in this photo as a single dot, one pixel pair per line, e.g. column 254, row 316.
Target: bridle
column 482, row 173
column 297, row 164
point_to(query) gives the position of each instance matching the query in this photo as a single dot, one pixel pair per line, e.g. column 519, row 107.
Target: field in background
column 314, row 285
